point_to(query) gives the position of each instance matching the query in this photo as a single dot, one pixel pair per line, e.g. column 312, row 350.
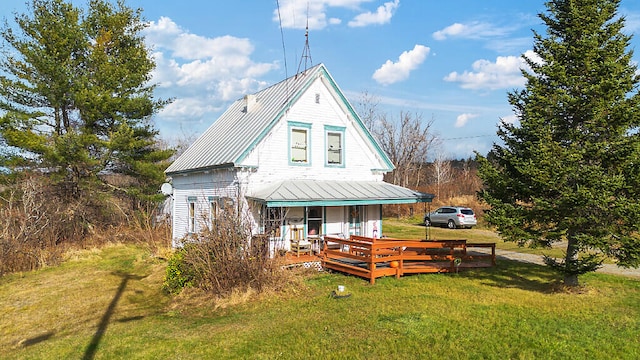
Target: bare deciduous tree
column 368, row 109
column 442, row 172
column 406, row 140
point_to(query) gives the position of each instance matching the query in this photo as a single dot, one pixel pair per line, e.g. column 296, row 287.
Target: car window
column 467, row 211
column 450, row 211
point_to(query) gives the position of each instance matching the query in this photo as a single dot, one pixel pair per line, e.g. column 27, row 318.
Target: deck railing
column 373, row 258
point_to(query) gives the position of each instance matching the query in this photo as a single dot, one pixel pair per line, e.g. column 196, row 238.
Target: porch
column 372, row 258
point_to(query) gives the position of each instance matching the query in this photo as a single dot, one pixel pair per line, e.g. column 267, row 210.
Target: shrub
column 40, row 219
column 225, row 258
column 179, row 274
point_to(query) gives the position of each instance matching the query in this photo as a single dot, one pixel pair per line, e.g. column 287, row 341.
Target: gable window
column 334, row 145
column 299, row 147
column 192, row 214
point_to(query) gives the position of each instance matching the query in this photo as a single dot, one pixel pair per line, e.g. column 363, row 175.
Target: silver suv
column 451, row 216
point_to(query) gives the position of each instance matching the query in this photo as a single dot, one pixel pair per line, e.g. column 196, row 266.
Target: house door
column 356, row 220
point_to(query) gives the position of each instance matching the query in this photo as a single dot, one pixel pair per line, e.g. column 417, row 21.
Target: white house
column 295, row 154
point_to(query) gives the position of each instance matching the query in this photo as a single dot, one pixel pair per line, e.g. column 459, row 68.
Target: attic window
column 299, row 143
column 334, row 140
column 317, row 98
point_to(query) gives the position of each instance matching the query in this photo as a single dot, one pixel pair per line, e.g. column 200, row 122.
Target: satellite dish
column 166, row 189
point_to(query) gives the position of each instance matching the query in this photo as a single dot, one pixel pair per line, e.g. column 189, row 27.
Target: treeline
column 453, row 182
column 79, row 156
column 420, row 160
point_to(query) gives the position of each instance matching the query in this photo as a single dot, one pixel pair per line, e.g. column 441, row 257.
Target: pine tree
column 570, row 170
column 74, row 87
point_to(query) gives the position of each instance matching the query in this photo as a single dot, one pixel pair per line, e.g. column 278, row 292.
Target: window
column 334, row 145
column 314, row 221
column 228, row 205
column 299, row 143
column 192, row 214
column 214, row 208
column 356, row 218
column 334, row 148
column 273, row 220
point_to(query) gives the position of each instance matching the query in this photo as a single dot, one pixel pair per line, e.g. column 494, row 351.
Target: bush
column 179, row 274
column 225, row 258
column 40, row 219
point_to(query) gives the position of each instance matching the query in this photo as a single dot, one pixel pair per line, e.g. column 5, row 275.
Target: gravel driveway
column 537, row 259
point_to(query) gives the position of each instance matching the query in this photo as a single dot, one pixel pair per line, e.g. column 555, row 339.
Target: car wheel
column 427, row 222
column 451, row 224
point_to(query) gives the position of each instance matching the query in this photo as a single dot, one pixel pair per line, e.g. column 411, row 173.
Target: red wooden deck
column 373, row 258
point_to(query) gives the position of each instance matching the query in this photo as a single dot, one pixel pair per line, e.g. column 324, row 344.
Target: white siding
column 269, row 162
column 201, row 186
column 271, row 156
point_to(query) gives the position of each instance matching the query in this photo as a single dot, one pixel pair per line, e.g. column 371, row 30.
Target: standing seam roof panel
column 216, row 147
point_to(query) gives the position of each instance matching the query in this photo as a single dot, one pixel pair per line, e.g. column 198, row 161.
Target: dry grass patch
column 510, row 311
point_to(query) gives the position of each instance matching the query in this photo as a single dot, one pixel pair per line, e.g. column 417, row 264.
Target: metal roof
column 237, row 131
column 291, row 193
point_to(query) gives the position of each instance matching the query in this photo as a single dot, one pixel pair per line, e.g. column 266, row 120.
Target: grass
column 413, row 228
column 107, row 303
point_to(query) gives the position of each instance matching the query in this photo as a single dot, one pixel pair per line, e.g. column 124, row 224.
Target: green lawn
column 413, row 229
column 106, row 304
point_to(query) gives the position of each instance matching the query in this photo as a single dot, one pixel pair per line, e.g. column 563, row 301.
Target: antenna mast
column 306, row 52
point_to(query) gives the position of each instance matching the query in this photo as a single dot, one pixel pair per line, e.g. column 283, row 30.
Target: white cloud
column 632, row 21
column 463, row 119
column 294, row 14
column 509, row 46
column 504, row 73
column 509, row 119
column 166, row 34
column 392, row 72
column 203, row 74
column 473, row 30
column 382, row 15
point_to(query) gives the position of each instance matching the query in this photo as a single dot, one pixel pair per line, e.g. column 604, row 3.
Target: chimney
column 250, row 102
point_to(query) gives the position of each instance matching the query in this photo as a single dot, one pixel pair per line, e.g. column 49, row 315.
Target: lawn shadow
column 516, row 274
column 90, row 352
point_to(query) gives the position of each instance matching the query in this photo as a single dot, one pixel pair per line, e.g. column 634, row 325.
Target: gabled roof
column 293, row 193
column 237, row 131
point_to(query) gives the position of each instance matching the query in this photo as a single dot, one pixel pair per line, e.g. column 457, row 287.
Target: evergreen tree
column 570, row 170
column 74, row 87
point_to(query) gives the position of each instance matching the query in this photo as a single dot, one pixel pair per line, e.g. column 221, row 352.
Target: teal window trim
column 324, row 222
column 335, row 130
column 296, row 125
column 383, row 155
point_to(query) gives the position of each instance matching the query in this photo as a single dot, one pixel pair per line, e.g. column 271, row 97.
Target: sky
column 450, row 62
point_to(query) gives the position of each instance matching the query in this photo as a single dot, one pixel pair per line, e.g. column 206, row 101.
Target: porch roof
column 292, row 193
